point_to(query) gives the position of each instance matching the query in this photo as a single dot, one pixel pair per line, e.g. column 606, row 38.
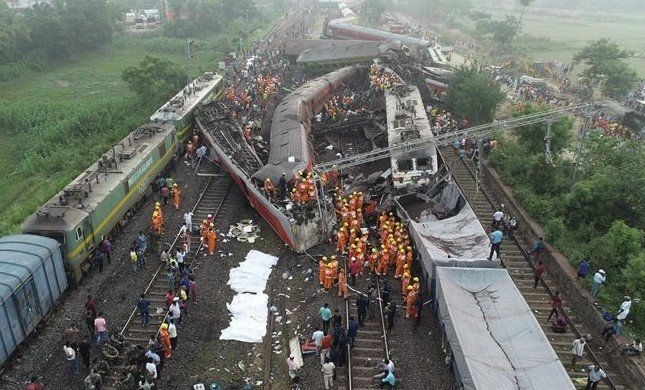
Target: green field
column 549, row 35
column 55, row 123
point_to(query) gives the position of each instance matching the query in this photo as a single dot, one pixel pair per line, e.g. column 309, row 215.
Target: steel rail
column 550, row 291
column 160, row 267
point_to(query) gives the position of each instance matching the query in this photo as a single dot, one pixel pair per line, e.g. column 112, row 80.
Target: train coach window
column 79, row 233
column 423, row 164
column 404, row 165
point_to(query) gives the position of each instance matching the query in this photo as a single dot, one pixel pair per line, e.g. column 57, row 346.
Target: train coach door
column 26, row 303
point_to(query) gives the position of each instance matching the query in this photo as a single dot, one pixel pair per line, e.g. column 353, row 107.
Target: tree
column 13, row 34
column 533, row 137
column 473, row 95
column 634, row 274
column 598, row 57
column 619, row 80
column 155, row 78
column 502, row 31
column 525, row 4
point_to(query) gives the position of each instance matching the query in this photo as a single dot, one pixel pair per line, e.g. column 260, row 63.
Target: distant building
column 23, row 4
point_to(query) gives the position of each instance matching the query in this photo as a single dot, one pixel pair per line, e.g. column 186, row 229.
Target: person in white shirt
column 596, row 374
column 317, row 337
column 175, row 311
column 328, row 373
column 598, row 279
column 151, row 369
column 623, row 312
column 70, row 354
column 498, row 216
column 188, row 220
column 172, row 330
column 634, row 349
column 293, row 366
column 577, row 350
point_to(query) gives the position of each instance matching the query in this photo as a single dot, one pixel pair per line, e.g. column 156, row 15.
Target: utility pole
column 189, row 57
column 547, row 139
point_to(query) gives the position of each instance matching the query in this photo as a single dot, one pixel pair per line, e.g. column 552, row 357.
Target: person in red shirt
column 556, row 304
column 34, row 384
column 91, row 306
column 540, row 269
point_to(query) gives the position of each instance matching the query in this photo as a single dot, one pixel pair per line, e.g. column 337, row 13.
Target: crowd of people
column 381, row 79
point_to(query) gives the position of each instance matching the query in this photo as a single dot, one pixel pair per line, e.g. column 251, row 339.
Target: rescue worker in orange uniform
column 212, row 239
column 165, row 338
column 410, row 301
column 329, row 277
column 384, row 262
column 203, row 230
column 341, row 240
column 409, row 256
column 400, row 262
column 334, row 267
column 176, row 195
column 360, row 259
column 342, row 284
column 303, row 191
column 269, row 188
column 405, row 282
column 322, row 265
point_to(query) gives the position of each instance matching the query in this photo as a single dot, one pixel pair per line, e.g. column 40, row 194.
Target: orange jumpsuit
column 405, row 282
column 400, row 261
column 176, row 195
column 341, row 242
column 212, row 240
column 342, row 284
column 329, row 278
column 334, row 269
column 383, row 263
column 165, row 337
column 204, row 231
column 360, row 259
column 321, row 272
column 408, row 258
column 410, row 300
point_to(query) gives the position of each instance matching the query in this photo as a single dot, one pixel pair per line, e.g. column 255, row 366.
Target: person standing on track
column 212, row 239
column 556, row 304
column 596, row 374
column 495, row 243
column 144, row 309
column 577, row 350
column 100, row 328
column 328, row 373
column 70, row 354
column 325, row 316
column 172, row 331
column 84, row 348
column 106, row 247
column 352, row 331
column 342, row 284
column 540, row 269
column 176, row 196
column 361, row 304
column 165, row 338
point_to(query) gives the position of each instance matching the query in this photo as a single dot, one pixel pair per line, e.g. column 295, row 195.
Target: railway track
column 517, row 261
column 371, row 343
column 215, row 188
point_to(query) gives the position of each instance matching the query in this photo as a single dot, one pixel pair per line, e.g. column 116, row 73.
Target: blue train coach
column 32, row 278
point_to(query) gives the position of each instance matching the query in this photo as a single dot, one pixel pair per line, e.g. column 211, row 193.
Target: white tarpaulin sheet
column 496, row 341
column 249, row 308
column 458, row 240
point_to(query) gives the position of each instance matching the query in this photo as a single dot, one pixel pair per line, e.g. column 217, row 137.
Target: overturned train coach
column 290, row 151
column 103, row 196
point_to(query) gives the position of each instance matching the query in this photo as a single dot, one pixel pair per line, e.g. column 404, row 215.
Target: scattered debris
column 244, row 231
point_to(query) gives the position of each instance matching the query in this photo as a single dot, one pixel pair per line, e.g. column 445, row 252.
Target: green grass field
column 548, row 35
